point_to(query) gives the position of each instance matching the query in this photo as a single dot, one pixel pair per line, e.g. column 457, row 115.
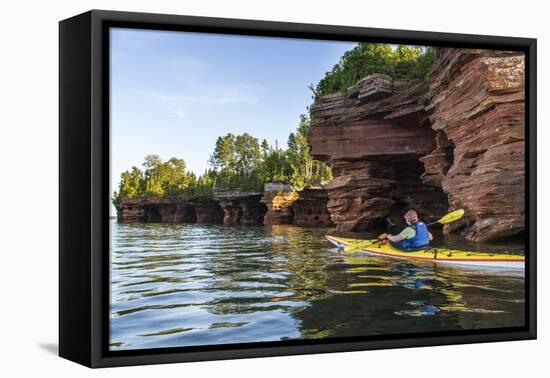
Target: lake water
column 191, row 284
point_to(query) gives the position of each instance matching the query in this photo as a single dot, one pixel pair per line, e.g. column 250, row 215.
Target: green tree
column 247, row 154
column 305, row 171
column 237, row 160
column 275, row 166
column 265, row 148
column 130, row 186
column 152, row 182
column 403, row 62
column 160, row 178
column 223, row 158
column 174, row 178
column 204, row 185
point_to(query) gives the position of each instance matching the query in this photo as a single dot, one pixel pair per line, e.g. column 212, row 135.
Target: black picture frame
column 84, row 187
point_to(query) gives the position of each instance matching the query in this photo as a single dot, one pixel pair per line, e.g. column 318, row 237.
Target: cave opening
column 186, row 214
column 152, row 215
column 258, row 213
column 411, row 192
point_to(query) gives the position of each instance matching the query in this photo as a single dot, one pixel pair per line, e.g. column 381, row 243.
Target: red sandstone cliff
column 373, row 138
column 478, row 102
column 454, row 142
column 241, row 207
column 279, row 206
column 153, row 209
column 307, row 207
column 207, row 210
column 310, row 209
column 303, row 208
column 169, row 210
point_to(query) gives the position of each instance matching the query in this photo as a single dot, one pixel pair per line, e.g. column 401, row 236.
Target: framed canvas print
column 234, row 188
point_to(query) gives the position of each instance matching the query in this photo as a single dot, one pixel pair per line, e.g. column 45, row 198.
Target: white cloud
column 181, row 104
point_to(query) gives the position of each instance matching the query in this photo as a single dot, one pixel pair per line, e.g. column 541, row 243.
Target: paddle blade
column 452, row 216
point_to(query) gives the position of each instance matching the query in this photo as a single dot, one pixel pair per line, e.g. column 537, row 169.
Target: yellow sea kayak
column 434, row 255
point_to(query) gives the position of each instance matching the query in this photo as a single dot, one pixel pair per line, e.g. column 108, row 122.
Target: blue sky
column 174, row 93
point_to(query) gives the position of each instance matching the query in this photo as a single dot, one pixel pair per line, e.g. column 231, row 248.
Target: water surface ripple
column 191, row 284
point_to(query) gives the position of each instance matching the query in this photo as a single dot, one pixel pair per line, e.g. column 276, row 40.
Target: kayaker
column 414, row 237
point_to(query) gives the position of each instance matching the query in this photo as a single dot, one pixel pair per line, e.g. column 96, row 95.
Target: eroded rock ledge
column 279, row 203
column 241, row 207
column 373, row 138
column 169, row 210
column 277, row 206
column 454, row 142
column 310, row 209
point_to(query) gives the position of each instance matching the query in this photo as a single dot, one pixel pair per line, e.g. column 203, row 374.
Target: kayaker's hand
column 382, row 236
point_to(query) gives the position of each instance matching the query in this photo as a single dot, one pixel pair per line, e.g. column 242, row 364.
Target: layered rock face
column 152, row 210
column 454, row 142
column 310, row 209
column 241, row 207
column 373, row 138
column 478, row 102
column 130, row 211
column 279, row 206
column 305, row 208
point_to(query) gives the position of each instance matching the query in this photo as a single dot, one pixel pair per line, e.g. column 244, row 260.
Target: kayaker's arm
column 407, row 233
column 395, row 238
column 431, row 236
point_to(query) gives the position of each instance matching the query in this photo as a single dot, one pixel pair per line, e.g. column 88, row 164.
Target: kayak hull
column 455, row 258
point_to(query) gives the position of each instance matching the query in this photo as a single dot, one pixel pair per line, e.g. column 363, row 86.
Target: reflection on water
column 191, row 284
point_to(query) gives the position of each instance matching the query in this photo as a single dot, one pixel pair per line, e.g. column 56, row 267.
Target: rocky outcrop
column 478, row 102
column 207, row 211
column 153, row 209
column 310, row 209
column 241, row 207
column 279, row 207
column 456, row 141
column 373, row 138
column 129, row 211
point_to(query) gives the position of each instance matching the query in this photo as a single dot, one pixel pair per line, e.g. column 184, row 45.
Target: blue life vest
column 421, row 237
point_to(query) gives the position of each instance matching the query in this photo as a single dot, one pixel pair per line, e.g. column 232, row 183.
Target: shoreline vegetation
column 238, row 163
column 242, row 162
column 400, row 63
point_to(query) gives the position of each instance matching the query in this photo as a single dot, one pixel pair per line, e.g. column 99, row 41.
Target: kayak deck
column 436, row 255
